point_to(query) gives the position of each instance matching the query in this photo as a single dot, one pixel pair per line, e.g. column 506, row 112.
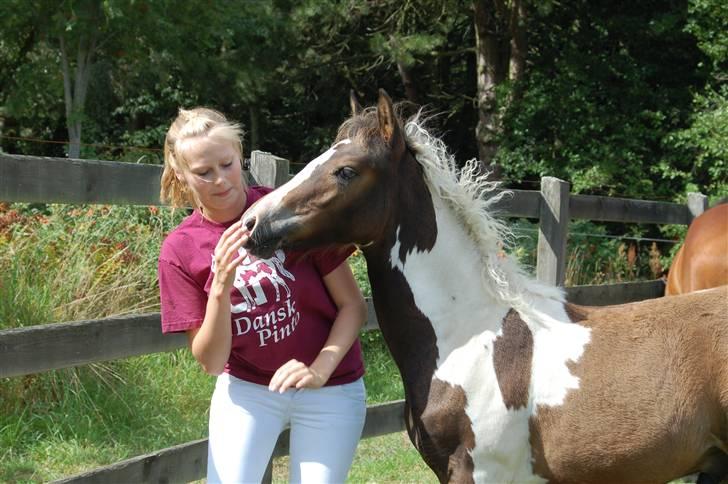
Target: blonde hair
column 191, row 123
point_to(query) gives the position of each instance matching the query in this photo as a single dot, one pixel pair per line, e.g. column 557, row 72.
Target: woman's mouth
column 225, row 193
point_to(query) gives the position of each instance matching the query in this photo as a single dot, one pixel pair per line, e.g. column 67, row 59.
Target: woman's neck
column 226, row 214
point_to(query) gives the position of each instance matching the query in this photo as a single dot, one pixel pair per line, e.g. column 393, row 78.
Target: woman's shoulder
column 181, row 237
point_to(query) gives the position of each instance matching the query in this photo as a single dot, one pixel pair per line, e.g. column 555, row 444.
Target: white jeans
column 246, row 419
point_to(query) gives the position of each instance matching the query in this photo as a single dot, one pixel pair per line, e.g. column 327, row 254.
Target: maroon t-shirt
column 280, row 308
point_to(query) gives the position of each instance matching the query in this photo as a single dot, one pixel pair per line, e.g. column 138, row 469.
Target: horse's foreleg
column 714, row 469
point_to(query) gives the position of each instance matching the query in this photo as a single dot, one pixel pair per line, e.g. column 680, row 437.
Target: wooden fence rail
column 34, row 349
column 60, row 345
column 188, row 462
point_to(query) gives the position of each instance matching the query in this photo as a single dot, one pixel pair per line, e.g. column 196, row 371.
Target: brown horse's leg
column 460, row 466
column 715, row 469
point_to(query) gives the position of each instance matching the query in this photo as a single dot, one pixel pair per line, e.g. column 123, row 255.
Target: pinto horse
column 504, row 380
column 702, row 261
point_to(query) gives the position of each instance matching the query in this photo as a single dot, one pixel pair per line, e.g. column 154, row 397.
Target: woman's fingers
column 228, row 248
column 287, row 375
column 231, row 235
column 294, row 374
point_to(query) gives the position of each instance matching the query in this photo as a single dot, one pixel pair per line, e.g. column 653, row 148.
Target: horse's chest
column 499, row 380
column 486, row 384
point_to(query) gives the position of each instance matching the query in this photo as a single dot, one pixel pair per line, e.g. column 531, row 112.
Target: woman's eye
column 345, row 173
column 228, row 164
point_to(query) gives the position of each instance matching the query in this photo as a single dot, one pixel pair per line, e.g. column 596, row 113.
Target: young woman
column 280, row 333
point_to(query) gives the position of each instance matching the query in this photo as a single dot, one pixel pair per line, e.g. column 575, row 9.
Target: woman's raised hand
column 228, row 256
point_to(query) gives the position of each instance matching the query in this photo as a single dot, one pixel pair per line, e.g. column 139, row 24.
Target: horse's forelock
column 363, row 128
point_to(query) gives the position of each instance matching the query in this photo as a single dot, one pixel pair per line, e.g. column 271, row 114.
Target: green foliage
column 706, row 141
column 707, row 21
column 607, row 85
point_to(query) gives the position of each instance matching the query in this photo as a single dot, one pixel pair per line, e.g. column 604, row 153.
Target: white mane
column 472, row 197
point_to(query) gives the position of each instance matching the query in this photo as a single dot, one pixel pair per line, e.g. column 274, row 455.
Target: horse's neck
column 426, row 278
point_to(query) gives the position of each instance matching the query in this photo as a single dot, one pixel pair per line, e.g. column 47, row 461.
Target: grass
column 389, row 458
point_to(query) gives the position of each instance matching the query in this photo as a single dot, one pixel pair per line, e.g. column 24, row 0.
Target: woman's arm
column 210, row 343
column 352, row 314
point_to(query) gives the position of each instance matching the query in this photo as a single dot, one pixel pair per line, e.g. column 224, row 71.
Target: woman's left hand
column 295, row 374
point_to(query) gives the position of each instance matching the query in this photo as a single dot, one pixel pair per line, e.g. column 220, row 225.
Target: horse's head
column 344, row 196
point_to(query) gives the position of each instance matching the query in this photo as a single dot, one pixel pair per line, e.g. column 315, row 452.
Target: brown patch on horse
column 575, row 313
column 648, row 388
column 450, row 433
column 420, row 234
column 512, row 355
column 435, row 415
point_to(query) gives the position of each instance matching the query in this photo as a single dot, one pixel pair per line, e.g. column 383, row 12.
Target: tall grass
column 596, row 257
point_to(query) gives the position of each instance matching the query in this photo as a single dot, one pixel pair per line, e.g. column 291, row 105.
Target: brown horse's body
column 663, row 392
column 503, row 380
column 702, row 261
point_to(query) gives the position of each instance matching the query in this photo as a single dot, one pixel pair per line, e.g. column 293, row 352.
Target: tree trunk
column 518, row 44
column 489, row 74
column 75, row 85
column 254, row 128
column 410, row 90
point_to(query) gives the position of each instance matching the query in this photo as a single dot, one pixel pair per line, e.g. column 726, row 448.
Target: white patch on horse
column 555, row 343
column 275, row 197
column 447, row 285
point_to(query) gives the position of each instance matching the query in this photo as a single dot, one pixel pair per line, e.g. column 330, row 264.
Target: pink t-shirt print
column 252, row 277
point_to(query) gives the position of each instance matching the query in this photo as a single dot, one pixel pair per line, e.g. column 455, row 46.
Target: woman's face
column 214, row 173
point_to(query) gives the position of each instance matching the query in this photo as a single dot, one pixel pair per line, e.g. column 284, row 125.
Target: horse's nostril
column 249, row 223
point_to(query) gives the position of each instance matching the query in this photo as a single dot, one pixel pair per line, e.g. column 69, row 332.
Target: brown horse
column 702, row 261
column 504, row 381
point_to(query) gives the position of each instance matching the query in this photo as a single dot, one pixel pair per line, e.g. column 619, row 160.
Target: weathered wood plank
column 188, row 462
column 59, row 180
column 606, row 294
column 608, row 209
column 697, row 204
column 45, row 347
column 520, row 203
column 553, row 230
column 182, row 463
column 268, row 170
column 62, row 345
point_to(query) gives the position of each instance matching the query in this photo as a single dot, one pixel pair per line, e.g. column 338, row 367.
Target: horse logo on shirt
column 250, row 274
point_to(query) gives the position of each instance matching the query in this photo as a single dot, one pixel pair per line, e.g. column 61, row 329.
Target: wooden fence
column 60, row 345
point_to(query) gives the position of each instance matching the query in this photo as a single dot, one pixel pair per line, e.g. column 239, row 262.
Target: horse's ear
column 354, row 103
column 388, row 124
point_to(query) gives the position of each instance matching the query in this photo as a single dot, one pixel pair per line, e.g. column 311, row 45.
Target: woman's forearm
column 212, row 342
column 349, row 321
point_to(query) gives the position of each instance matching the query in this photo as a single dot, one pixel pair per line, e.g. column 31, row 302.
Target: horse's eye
column 345, row 173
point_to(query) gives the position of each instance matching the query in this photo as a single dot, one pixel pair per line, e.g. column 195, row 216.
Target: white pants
column 246, row 419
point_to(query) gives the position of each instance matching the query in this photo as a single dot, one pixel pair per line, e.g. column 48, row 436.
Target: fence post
column 697, row 203
column 268, row 170
column 553, row 231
